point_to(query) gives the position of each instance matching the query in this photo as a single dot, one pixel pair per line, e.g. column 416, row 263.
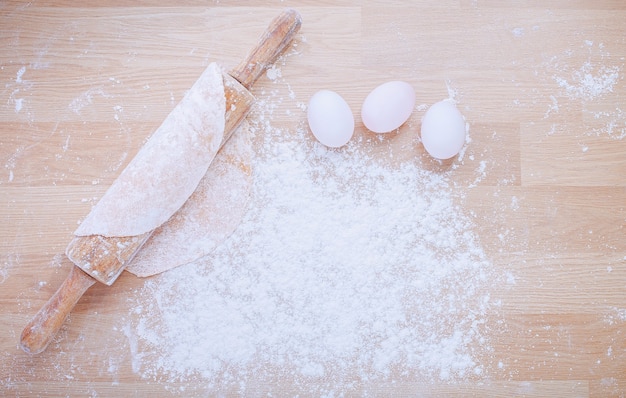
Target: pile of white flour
column 343, row 270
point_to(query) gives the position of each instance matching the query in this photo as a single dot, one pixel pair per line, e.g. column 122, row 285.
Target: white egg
column 330, row 118
column 443, row 130
column 388, row 106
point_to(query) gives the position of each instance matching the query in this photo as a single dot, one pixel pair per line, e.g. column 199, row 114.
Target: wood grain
column 542, row 179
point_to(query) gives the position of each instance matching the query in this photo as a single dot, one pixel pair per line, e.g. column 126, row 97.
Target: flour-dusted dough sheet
column 210, row 215
column 167, row 169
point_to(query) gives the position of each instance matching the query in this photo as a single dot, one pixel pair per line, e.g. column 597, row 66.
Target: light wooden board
column 541, row 84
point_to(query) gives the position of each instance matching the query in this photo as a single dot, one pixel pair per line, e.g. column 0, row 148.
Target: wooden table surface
column 541, row 84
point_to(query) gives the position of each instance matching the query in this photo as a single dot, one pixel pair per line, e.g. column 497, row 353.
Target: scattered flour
column 611, row 124
column 20, row 73
column 597, row 79
column 4, row 272
column 590, row 81
column 343, row 269
column 615, row 315
column 553, row 108
column 481, row 171
column 20, row 86
column 86, row 99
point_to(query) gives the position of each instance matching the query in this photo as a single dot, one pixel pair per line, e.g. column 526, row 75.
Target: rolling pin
column 102, row 259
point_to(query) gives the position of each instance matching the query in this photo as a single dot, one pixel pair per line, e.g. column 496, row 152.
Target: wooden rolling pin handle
column 276, row 37
column 47, row 322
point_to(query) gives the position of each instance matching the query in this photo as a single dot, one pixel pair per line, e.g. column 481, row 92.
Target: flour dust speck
column 20, row 73
column 19, row 103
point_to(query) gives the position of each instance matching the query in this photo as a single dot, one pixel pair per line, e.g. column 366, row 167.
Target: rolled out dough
column 210, row 215
column 167, row 169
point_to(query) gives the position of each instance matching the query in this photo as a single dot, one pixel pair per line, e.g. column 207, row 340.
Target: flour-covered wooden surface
column 368, row 269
